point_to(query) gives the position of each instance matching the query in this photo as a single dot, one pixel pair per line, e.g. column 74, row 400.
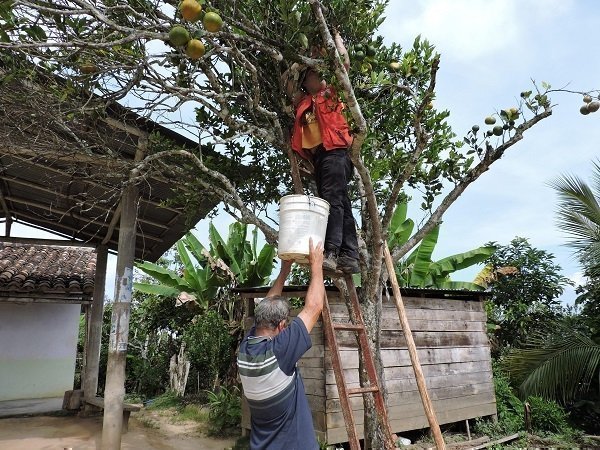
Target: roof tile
column 46, row 268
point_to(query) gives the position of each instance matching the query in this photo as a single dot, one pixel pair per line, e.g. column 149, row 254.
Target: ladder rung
column 347, row 326
column 363, row 390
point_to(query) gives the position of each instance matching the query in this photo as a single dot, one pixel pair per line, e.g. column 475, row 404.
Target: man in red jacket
column 322, row 136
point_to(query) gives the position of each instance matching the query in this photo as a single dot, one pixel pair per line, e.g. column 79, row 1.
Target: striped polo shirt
column 280, row 415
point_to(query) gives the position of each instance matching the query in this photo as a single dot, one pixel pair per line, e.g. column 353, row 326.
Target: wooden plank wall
column 454, row 352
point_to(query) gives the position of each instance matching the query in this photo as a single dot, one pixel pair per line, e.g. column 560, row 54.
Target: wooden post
column 412, row 351
column 119, row 328
column 92, row 351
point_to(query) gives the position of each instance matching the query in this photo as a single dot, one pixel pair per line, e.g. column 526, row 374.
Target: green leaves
column 400, row 227
column 422, row 258
column 226, row 263
column 556, row 367
column 418, row 269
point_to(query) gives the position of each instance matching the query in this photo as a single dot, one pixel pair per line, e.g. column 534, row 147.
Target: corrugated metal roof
column 48, row 181
column 405, row 291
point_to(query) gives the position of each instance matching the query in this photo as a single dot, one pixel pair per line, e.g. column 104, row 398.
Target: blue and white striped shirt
column 280, row 415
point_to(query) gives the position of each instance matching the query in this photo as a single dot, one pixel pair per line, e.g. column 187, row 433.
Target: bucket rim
column 305, row 195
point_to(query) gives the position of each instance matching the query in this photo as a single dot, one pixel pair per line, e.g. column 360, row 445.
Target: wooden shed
column 449, row 329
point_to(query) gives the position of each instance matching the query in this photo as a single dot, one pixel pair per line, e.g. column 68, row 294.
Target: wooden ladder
column 357, row 326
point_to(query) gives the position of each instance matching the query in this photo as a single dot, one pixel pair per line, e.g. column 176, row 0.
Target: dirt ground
column 147, row 430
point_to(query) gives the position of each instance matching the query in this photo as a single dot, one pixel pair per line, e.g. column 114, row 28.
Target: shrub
column 510, row 409
column 209, row 347
column 547, row 416
column 225, row 411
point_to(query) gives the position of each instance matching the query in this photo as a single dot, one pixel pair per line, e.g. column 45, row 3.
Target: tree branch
column 490, row 157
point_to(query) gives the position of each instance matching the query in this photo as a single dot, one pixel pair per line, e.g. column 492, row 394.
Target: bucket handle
column 311, row 203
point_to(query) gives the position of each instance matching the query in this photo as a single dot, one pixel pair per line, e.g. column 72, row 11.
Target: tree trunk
column 371, row 312
column 371, row 309
column 179, row 369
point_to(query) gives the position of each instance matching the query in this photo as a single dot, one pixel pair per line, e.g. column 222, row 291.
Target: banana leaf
column 189, row 271
column 161, row 274
column 422, row 259
column 156, row 289
column 460, row 261
column 195, row 247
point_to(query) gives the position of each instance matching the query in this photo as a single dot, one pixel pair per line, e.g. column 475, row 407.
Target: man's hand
column 315, row 255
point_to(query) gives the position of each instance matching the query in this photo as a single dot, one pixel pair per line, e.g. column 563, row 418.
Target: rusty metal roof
column 405, row 291
column 31, row 268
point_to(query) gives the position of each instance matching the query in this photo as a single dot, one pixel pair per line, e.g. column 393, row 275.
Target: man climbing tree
column 321, row 135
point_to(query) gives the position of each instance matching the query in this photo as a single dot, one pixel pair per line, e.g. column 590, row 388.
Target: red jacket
column 335, row 132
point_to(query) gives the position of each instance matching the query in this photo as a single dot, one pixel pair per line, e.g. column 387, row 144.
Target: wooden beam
column 25, row 300
column 71, row 197
column 117, row 347
column 92, row 350
column 139, row 155
column 62, row 212
column 148, row 200
column 53, row 222
column 69, row 158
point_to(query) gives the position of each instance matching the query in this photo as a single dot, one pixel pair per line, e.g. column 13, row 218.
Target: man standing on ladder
column 321, row 135
column 280, row 416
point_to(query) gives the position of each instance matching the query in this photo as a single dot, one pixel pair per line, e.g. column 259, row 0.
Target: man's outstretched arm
column 313, row 303
column 277, row 288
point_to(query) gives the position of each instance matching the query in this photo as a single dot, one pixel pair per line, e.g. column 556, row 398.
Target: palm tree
column 579, row 216
column 566, row 362
column 558, row 367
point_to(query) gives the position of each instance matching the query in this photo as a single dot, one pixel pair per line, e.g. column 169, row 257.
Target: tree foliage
column 418, row 269
column 524, row 299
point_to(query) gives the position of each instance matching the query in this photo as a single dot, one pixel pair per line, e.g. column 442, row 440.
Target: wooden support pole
column 117, row 348
column 92, row 351
column 412, row 351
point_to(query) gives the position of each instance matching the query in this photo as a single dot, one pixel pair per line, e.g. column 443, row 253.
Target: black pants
column 333, row 172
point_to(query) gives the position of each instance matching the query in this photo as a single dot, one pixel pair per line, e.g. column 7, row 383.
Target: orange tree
column 228, row 91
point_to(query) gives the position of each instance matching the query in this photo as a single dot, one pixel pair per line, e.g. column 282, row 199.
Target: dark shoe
column 329, row 261
column 347, row 264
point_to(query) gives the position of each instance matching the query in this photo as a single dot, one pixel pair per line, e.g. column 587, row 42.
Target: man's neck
column 265, row 332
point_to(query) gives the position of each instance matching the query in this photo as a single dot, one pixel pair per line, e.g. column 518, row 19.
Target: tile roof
column 30, row 268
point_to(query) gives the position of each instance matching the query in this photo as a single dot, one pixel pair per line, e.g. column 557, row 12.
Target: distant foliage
column 225, row 406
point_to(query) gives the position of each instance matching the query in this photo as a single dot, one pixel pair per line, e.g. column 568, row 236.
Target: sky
column 490, row 50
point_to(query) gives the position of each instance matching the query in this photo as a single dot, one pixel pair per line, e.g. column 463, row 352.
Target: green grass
column 164, row 401
column 193, row 413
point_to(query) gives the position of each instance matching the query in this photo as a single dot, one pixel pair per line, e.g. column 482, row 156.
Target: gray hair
column 270, row 311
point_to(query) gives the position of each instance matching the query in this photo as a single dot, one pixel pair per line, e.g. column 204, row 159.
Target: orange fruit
column 179, row 36
column 190, row 10
column 195, row 49
column 88, row 68
column 212, row 22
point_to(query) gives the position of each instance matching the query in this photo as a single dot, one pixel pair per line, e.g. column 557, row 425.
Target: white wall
column 38, row 345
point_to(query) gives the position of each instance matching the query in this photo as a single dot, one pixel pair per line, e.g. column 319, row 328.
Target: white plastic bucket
column 300, row 218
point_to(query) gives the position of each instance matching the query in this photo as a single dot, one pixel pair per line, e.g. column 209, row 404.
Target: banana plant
column 234, row 262
column 418, row 269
